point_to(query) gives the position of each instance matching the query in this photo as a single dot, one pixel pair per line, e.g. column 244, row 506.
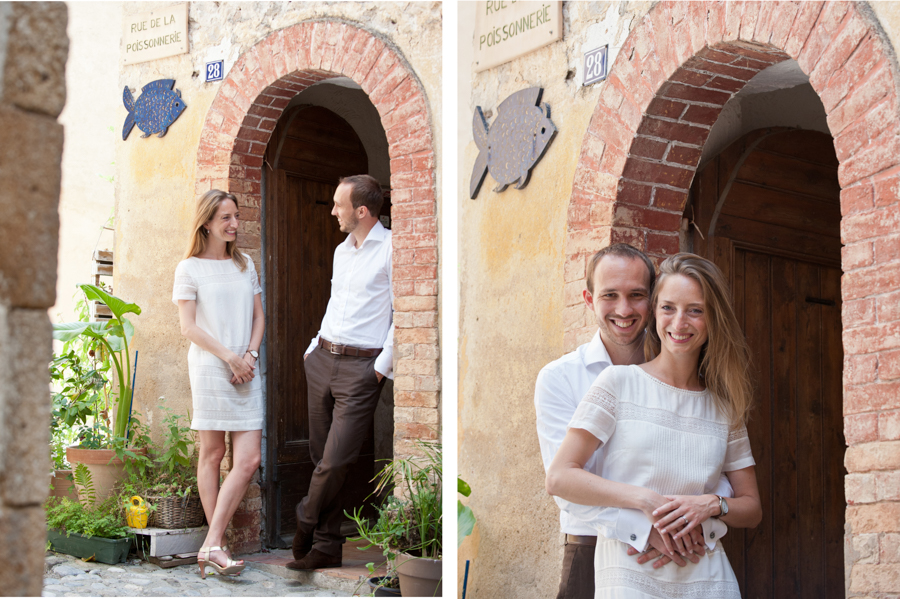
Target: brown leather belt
column 581, row 540
column 346, row 350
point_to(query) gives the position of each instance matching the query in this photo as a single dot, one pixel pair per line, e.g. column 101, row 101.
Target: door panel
column 777, row 240
column 310, row 149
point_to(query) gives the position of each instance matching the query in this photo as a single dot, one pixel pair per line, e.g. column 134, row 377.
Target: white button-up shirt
column 360, row 310
column 560, row 387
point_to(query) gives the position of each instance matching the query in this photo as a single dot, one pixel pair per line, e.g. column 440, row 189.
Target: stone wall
column 33, row 51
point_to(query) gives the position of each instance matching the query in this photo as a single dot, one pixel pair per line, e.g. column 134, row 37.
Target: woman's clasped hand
column 242, row 368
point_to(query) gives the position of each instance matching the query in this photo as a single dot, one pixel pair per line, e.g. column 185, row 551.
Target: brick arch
column 667, row 87
column 672, row 77
column 230, row 156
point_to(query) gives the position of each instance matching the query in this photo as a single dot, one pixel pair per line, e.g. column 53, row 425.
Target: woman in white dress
column 671, row 426
column 219, row 304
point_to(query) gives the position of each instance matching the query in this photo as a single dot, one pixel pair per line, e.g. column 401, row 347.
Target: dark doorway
column 310, row 149
column 767, row 211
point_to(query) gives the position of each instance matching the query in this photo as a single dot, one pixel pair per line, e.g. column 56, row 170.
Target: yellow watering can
column 136, row 512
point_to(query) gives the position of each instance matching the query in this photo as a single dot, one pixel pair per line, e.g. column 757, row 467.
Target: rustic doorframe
column 672, row 77
column 230, row 156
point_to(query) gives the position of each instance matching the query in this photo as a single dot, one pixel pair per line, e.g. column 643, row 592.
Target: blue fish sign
column 155, row 109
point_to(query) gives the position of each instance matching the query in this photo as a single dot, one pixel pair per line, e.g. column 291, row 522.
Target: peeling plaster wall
column 155, row 176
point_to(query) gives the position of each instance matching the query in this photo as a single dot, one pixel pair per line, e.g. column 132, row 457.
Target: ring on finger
column 685, row 520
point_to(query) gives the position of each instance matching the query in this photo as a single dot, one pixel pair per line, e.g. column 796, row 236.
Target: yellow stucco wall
column 155, row 176
column 87, row 194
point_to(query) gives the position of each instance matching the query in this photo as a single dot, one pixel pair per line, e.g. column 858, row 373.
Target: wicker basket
column 176, row 512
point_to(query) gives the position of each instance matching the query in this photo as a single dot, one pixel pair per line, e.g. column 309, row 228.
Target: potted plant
column 76, row 408
column 88, row 528
column 408, row 523
column 170, row 486
column 104, row 445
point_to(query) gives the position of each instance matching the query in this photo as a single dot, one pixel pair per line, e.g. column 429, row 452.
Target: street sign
column 215, row 71
column 595, row 65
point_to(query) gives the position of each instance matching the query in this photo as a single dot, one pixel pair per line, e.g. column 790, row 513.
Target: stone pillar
column 33, row 52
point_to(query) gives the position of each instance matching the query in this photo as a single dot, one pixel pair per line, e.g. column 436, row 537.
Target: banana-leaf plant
column 115, row 335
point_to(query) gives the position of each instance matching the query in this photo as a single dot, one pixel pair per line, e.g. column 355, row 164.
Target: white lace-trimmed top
column 225, row 298
column 670, row 440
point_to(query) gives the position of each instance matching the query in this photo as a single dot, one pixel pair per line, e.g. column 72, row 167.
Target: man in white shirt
column 619, row 282
column 346, row 364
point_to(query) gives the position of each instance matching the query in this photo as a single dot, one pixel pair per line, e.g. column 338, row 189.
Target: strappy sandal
column 231, row 567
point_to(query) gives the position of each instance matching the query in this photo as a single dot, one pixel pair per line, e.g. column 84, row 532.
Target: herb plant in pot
column 409, row 522
column 103, row 445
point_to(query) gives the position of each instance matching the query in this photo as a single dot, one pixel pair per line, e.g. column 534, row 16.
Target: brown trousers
column 343, row 394
column 577, row 580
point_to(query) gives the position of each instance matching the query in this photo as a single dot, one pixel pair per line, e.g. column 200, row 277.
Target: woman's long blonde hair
column 725, row 357
column 206, row 209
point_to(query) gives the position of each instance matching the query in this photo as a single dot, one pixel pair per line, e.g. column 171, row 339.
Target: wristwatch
column 253, row 353
column 723, row 506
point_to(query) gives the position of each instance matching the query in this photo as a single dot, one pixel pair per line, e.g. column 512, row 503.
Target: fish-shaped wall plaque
column 155, row 109
column 516, row 141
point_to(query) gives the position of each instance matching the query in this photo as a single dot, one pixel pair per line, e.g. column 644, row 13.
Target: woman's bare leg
column 246, row 459
column 212, row 450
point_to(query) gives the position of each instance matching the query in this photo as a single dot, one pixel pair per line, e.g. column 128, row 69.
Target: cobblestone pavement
column 67, row 576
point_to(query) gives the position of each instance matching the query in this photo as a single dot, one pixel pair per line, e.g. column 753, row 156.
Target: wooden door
column 310, row 149
column 767, row 211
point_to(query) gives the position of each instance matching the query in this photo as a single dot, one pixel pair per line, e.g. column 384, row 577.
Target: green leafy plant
column 114, row 336
column 178, row 443
column 410, row 519
column 79, row 401
column 60, row 438
column 465, row 519
column 84, row 517
column 172, row 467
column 139, row 438
column 83, row 478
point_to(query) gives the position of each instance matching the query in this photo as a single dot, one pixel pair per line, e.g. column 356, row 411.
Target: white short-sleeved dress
column 224, row 297
column 674, row 442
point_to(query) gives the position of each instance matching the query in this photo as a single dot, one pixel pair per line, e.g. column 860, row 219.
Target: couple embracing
column 643, row 436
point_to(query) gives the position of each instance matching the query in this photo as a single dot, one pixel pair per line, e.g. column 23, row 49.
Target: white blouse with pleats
column 674, row 442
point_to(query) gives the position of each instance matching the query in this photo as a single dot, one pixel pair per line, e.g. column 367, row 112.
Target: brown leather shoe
column 314, row 560
column 303, row 541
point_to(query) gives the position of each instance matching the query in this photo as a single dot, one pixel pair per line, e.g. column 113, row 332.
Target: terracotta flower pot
column 62, row 485
column 105, row 468
column 419, row 576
